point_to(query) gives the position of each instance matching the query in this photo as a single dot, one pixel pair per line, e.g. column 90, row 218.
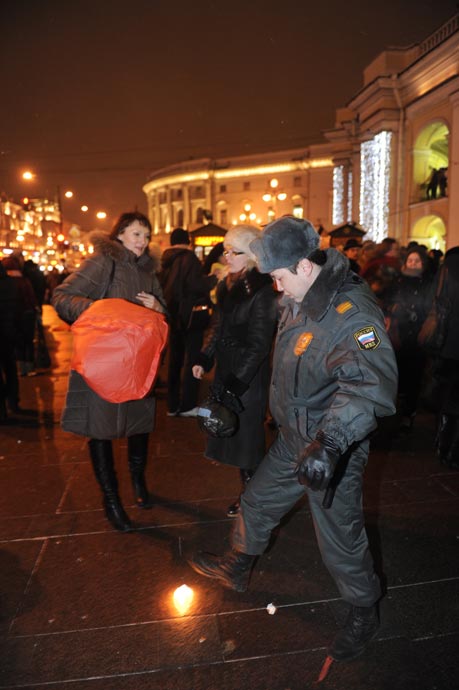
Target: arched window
column 430, row 162
column 430, row 231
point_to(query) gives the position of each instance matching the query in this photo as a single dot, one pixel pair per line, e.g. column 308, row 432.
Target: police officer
column 334, row 373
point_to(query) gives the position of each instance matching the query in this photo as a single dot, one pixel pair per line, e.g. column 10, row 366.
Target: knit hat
column 284, row 242
column 179, row 236
column 240, row 238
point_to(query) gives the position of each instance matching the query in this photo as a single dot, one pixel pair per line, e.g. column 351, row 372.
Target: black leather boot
column 232, row 569
column 101, row 453
column 360, row 628
column 452, row 456
column 246, row 476
column 447, row 440
column 137, row 459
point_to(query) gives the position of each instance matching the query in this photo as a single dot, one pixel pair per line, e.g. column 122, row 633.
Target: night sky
column 95, row 94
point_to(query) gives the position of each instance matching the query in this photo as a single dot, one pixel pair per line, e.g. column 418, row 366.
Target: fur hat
column 284, row 242
column 240, row 238
column 352, row 244
column 179, row 236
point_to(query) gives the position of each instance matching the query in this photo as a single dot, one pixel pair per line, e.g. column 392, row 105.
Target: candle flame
column 183, row 597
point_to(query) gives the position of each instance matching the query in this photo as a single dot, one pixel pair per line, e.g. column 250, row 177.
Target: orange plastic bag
column 117, row 348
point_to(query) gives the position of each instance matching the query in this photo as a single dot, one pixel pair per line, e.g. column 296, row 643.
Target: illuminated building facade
column 36, row 230
column 390, row 164
column 396, row 145
column 245, row 189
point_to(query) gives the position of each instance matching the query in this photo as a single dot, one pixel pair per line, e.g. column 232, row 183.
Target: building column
column 157, row 229
column 209, row 195
column 452, row 232
column 186, row 206
column 169, row 210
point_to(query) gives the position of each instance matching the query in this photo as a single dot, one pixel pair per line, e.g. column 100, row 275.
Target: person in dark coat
column 37, row 280
column 352, row 250
column 240, row 340
column 9, row 310
column 447, row 368
column 120, row 267
column 409, row 305
column 26, row 316
column 334, row 374
column 184, row 286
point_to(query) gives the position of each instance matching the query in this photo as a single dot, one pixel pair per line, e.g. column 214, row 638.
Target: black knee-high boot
column 101, row 453
column 445, row 433
column 448, row 440
column 137, row 459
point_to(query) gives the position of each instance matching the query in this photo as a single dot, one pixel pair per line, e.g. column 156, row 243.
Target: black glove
column 317, row 462
column 222, row 395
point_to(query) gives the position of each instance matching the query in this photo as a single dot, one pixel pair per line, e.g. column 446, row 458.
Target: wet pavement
column 86, row 608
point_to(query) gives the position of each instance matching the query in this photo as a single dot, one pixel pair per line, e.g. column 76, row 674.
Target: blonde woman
column 239, row 342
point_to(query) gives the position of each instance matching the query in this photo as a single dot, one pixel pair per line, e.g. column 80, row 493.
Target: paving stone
column 87, row 608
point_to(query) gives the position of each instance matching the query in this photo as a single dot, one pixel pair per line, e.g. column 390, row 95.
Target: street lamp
column 272, row 197
column 248, row 215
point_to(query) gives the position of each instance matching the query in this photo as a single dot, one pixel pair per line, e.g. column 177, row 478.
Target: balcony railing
column 445, row 31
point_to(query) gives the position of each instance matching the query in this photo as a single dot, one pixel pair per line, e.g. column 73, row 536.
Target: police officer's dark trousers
column 340, row 530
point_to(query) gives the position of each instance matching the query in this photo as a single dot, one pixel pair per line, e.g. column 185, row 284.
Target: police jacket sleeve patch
column 367, row 338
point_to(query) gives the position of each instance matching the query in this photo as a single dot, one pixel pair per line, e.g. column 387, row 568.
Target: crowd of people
column 348, row 351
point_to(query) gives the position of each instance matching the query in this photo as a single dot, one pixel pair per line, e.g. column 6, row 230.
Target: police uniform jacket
column 334, row 368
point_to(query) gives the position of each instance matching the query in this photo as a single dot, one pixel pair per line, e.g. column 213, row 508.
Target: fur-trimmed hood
column 116, row 250
column 323, row 291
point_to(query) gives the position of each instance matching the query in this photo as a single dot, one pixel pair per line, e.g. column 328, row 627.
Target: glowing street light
column 28, row 175
column 84, row 208
column 101, row 215
column 68, row 194
column 272, row 197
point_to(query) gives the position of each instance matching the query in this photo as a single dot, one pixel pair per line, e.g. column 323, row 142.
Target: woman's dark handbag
column 199, row 318
column 433, row 332
column 42, row 358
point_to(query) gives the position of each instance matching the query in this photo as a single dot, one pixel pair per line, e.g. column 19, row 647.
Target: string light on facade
column 338, row 195
column 375, row 162
column 349, row 196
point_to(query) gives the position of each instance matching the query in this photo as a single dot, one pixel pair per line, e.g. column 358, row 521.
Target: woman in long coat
column 240, row 339
column 120, row 267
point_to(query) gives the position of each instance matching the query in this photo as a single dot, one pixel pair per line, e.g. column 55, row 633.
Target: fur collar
column 319, row 298
column 118, row 252
column 244, row 288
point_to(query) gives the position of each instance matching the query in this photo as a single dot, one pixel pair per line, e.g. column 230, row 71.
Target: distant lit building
column 390, row 164
column 36, row 230
column 396, row 145
column 245, row 189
